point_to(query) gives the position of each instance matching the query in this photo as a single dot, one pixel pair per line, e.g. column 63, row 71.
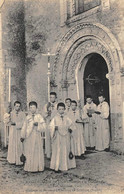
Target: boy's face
column 33, row 109
column 101, row 99
column 89, row 100
column 52, row 98
column 68, row 103
column 61, row 110
column 17, row 107
column 73, row 106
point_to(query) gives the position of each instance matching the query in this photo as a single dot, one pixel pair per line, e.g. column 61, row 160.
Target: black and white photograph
column 61, row 96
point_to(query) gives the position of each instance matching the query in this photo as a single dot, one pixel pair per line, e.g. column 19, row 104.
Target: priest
column 102, row 125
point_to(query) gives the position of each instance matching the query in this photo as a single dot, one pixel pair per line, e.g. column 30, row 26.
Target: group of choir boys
column 68, row 133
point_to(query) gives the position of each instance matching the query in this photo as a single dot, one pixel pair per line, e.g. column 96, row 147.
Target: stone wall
column 43, row 32
column 13, row 52
column 14, row 49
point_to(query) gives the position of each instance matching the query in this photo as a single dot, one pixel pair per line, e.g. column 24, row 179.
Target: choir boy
column 31, row 137
column 89, row 125
column 62, row 143
column 15, row 121
column 79, row 145
column 68, row 104
column 49, row 111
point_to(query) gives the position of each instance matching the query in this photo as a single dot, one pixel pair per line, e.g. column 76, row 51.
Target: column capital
column 64, row 84
column 111, row 77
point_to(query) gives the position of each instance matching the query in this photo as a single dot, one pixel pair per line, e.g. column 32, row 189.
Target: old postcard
column 61, row 96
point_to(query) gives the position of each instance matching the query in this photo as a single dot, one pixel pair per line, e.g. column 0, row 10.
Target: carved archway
column 80, row 41
column 76, row 44
column 80, row 33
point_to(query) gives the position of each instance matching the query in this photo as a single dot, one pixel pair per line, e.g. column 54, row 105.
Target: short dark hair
column 17, row 102
column 60, row 104
column 32, row 103
column 101, row 94
column 88, row 96
column 53, row 93
column 68, row 99
column 74, row 102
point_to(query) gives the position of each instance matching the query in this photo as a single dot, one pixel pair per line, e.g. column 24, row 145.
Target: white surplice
column 102, row 127
column 48, row 118
column 79, row 145
column 89, row 125
column 67, row 110
column 62, row 144
column 15, row 145
column 33, row 143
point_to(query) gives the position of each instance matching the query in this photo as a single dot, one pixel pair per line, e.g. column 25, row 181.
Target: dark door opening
column 95, row 80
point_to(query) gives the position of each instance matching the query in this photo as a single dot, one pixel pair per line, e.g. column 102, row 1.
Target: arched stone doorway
column 79, row 43
column 94, row 77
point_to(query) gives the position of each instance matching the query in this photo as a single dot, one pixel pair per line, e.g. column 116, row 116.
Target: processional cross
column 9, row 65
column 92, row 79
column 49, row 72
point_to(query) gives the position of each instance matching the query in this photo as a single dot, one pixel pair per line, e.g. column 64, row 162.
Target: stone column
column 72, row 7
column 64, row 86
column 116, row 110
column 63, row 12
column 113, row 110
column 122, row 89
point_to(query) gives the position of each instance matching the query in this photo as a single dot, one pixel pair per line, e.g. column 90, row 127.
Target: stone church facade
column 87, row 39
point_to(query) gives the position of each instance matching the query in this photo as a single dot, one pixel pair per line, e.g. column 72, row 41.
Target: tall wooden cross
column 9, row 64
column 49, row 72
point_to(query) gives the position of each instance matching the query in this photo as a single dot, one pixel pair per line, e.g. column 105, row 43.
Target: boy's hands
column 91, row 111
column 89, row 115
column 77, row 120
column 70, row 130
column 49, row 113
column 97, row 112
column 56, row 128
column 22, row 139
column 13, row 123
column 36, row 124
